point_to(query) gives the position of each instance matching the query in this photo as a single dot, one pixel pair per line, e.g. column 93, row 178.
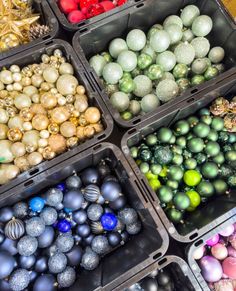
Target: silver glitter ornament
column 54, row 197
column 94, row 212
column 14, row 229
column 134, row 228
column 20, row 209
column 64, row 242
column 73, row 182
column 96, row 227
column 91, row 193
column 90, row 260
column 49, row 215
column 27, row 245
column 128, row 215
column 19, row 280
column 100, row 244
column 66, row 278
column 57, row 263
column 35, row 226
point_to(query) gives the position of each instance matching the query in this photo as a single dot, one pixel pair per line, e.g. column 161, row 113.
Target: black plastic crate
column 47, row 18
column 215, row 211
column 96, row 39
column 177, row 268
column 83, row 25
column 33, row 55
column 138, row 253
column 200, row 242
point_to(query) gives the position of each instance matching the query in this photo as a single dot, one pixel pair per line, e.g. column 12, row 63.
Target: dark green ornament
column 223, row 137
column 190, row 164
column 206, row 119
column 175, row 173
column 164, row 134
column 192, row 120
column 134, row 152
column 163, row 155
column 217, row 123
column 227, row 148
column 201, row 130
column 210, row 170
column 180, row 71
column 212, row 148
column 200, row 158
column 144, row 154
column 195, row 145
column 225, row 171
column 181, row 141
column 232, row 181
column 181, row 127
column 172, row 184
column 205, row 189
column 211, row 73
column 174, row 215
column 220, row 186
column 213, row 135
column 197, row 80
column 219, row 159
column 230, row 156
column 181, row 201
column 165, row 194
column 151, row 140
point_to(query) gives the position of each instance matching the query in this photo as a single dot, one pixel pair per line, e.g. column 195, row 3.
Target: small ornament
column 73, row 182
column 134, row 228
column 64, row 242
column 83, row 230
column 27, row 262
column 27, row 245
column 66, row 278
column 45, row 282
column 38, row 30
column 14, row 134
column 94, row 212
column 79, row 216
column 14, row 229
column 36, row 204
column 19, row 280
column 91, row 193
column 74, row 256
column 109, row 221
column 35, row 226
column 96, row 227
column 64, row 225
column 57, row 263
column 128, row 216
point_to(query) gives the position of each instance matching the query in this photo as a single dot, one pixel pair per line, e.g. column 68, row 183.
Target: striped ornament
column 91, row 193
column 96, row 227
column 14, row 229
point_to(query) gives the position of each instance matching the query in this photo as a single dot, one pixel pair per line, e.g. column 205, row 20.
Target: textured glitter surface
column 27, row 245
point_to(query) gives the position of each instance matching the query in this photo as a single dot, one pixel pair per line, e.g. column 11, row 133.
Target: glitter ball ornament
column 90, row 260
column 27, row 245
column 19, row 280
column 49, row 215
column 64, row 242
column 108, row 221
column 66, row 278
column 64, row 225
column 14, row 229
column 134, row 228
column 36, row 204
column 128, row 216
column 57, row 263
column 94, row 212
column 54, row 197
column 73, row 182
column 100, row 244
column 35, row 226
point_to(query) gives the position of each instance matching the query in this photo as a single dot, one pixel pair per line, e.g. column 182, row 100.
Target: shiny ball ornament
column 90, row 260
column 134, row 228
column 74, row 256
column 49, row 215
column 210, row 170
column 160, row 41
column 229, row 267
column 66, row 278
column 227, row 231
column 184, row 53
column 110, row 190
column 60, row 114
column 73, row 182
column 35, row 226
column 100, row 244
column 202, row 25
column 40, row 122
column 14, row 229
column 64, row 242
column 50, row 74
column 92, row 115
column 189, row 14
column 66, row 84
column 94, row 212
column 199, row 253
column 91, row 193
column 41, row 264
column 7, row 264
column 90, row 176
column 149, row 102
column 149, row 284
column 216, row 55
column 192, row 177
column 27, row 262
column 119, row 203
column 114, row 238
column 128, row 216
column 19, row 280
column 14, row 134
column 79, row 216
column 136, row 40
column 127, row 60
column 61, row 187
column 181, row 201
column 219, row 251
column 6, row 214
column 73, row 200
column 45, row 282
column 64, row 225
column 57, row 143
column 68, row 129
column 36, row 204
column 112, row 73
column 48, row 100
column 46, row 238
column 9, row 246
column 167, row 90
column 27, row 245
column 57, row 263
column 4, row 116
column 109, row 221
column 213, row 241
column 207, row 264
column 83, row 230
column 54, row 197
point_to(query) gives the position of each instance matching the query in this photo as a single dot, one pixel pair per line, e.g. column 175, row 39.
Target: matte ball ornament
column 90, row 260
column 100, row 244
column 210, row 170
column 20, row 209
column 57, row 263
column 46, row 238
column 74, row 256
column 165, row 194
column 41, row 264
column 175, row 173
column 4, row 285
column 65, row 242
column 27, row 262
column 45, row 282
column 54, row 197
column 134, row 228
column 66, row 278
column 181, row 201
column 14, row 229
column 195, row 145
column 128, row 215
column 27, row 245
column 220, row 186
column 114, row 238
column 212, row 149
column 207, row 264
column 90, row 176
column 119, row 203
column 164, row 134
column 192, row 177
column 110, row 190
column 149, row 284
column 108, row 221
column 6, row 213
column 64, row 225
column 19, row 280
column 35, row 226
column 94, row 212
column 10, row 246
column 73, row 182
column 174, row 215
column 213, row 240
column 83, row 230
column 36, row 204
column 91, row 193
column 73, row 199
column 79, row 216
column 7, row 264
column 202, row 25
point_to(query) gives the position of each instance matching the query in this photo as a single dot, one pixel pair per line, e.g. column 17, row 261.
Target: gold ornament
column 26, row 114
column 92, row 115
column 22, row 4
column 48, row 154
column 53, row 128
column 72, row 142
column 89, row 131
column 14, row 134
column 57, row 143
column 82, row 120
column 74, row 120
column 9, row 40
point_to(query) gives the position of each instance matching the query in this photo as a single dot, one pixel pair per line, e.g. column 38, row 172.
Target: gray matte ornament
column 94, row 212
column 64, row 242
column 54, row 197
column 10, row 246
column 74, row 256
column 19, row 280
column 49, row 215
column 66, row 278
column 20, row 209
column 35, row 226
column 128, row 215
column 27, row 245
column 57, row 263
column 100, row 244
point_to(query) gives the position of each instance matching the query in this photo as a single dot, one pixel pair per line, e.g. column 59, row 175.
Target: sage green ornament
column 127, row 60
column 167, row 90
column 134, row 107
column 207, row 61
column 190, row 164
column 202, row 25
column 160, row 41
column 127, row 75
column 144, row 61
column 136, row 40
column 143, row 86
column 181, row 201
column 98, row 63
column 153, row 29
column 187, row 35
column 117, row 46
column 149, row 103
column 219, row 159
column 175, row 173
column 175, row 33
column 120, row 101
column 201, row 129
column 164, row 134
column 184, row 53
column 172, row 140
column 112, row 73
column 181, row 127
column 177, row 159
column 144, row 168
column 207, row 119
column 217, row 123
column 183, row 84
column 151, row 140
column 181, row 141
column 180, row 71
column 156, row 169
column 230, row 156
column 166, row 60
column 126, row 115
column 212, row 148
column 154, row 72
column 216, row 54
column 205, row 189
column 107, row 57
column 134, row 152
column 174, row 215
column 199, row 66
column 189, row 14
column 165, row 194
column 172, row 184
column 173, row 19
column 197, row 80
column 220, row 186
column 192, row 120
column 201, row 46
column 126, row 85
column 167, row 76
column 211, row 73
column 163, row 155
column 210, row 170
column 195, row 145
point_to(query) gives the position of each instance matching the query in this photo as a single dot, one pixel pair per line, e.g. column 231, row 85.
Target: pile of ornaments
column 44, row 240
column 144, row 71
column 189, row 163
column 43, row 112
column 217, row 260
column 79, row 10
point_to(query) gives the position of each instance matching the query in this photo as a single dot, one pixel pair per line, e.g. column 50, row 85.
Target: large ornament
column 57, row 263
column 7, row 264
column 128, row 215
column 207, row 264
column 100, row 244
column 46, row 238
column 14, row 229
column 19, row 280
column 73, row 200
column 35, row 226
column 110, row 190
column 64, row 242
column 49, row 215
column 90, row 260
column 66, row 278
column 91, row 193
column 54, row 197
column 94, row 212
column 45, row 282
column 27, row 245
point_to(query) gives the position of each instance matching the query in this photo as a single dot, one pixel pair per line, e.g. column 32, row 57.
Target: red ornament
column 121, row 2
column 67, row 6
column 76, row 16
column 107, row 5
column 87, row 3
column 95, row 10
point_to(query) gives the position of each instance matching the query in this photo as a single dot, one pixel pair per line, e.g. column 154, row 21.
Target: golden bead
column 92, row 115
column 53, row 128
column 70, row 98
column 22, row 163
column 40, row 121
column 75, row 113
column 57, row 143
column 10, row 40
column 89, row 131
column 48, row 100
column 3, row 93
column 40, row 150
column 80, row 132
column 48, row 154
column 14, row 134
column 30, row 148
column 81, row 103
column 26, row 81
column 72, row 142
column 26, row 114
column 82, row 120
column 74, row 120
column 34, row 158
column 60, row 114
column 68, row 129
column 80, row 90
column 9, row 101
column 37, row 109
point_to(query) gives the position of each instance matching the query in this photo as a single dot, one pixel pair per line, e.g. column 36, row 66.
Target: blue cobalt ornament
column 67, row 210
column 36, row 204
column 109, row 221
column 63, row 225
column 61, row 187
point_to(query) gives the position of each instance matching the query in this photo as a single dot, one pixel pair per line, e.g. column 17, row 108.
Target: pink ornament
column 213, row 241
column 229, row 267
column 76, row 16
column 227, row 231
column 219, row 251
column 232, row 252
column 211, row 269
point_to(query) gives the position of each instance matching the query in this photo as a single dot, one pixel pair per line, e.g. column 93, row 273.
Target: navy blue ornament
column 109, row 221
column 10, row 246
column 41, row 264
column 45, row 282
column 83, row 230
column 36, row 204
column 90, row 176
column 6, row 214
column 73, row 200
column 7, row 263
column 61, row 187
column 73, row 182
column 74, row 256
column 46, row 238
column 119, row 203
column 63, row 225
column 114, row 238
column 79, row 216
column 27, row 262
column 110, row 190
column 91, row 193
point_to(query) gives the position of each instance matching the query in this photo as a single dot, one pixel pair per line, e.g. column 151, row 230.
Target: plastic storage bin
column 46, row 17
column 96, row 38
column 215, row 211
column 198, row 243
column 121, row 264
column 33, row 55
column 87, row 22
column 178, row 269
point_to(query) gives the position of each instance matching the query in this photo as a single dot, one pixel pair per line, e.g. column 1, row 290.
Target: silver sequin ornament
column 100, row 244
column 20, row 209
column 57, row 263
column 35, row 226
column 66, row 278
column 128, row 215
column 73, row 182
column 27, row 245
column 65, row 242
column 54, row 197
column 14, row 229
column 19, row 280
column 90, row 260
column 49, row 215
column 94, row 212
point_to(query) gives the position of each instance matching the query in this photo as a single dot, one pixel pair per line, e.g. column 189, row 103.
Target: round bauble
column 73, row 199
column 14, row 229
column 49, row 215
column 79, row 216
column 136, row 40
column 57, row 263
column 74, row 256
column 7, row 264
column 90, row 176
column 27, row 245
column 46, row 238
column 45, row 282
column 35, row 226
column 19, row 280
column 73, row 182
column 41, row 264
column 66, row 278
column 27, row 262
column 54, row 197
column 90, row 260
column 207, row 264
